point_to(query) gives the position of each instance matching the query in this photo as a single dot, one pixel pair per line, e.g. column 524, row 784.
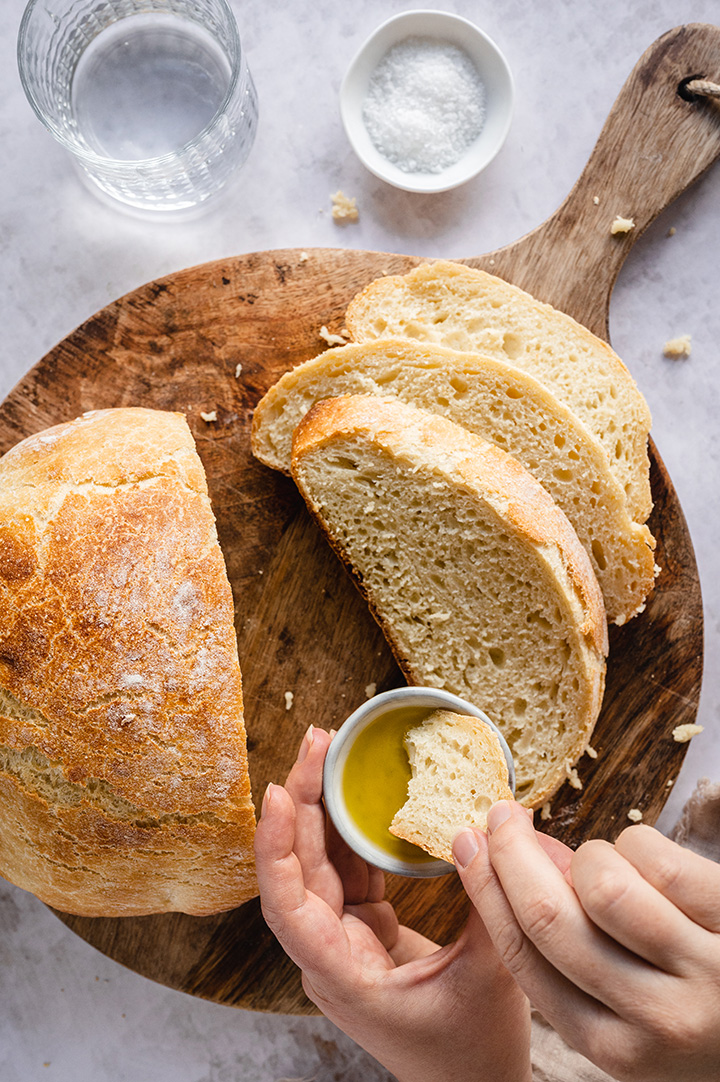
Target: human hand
column 618, row 946
column 427, row 1013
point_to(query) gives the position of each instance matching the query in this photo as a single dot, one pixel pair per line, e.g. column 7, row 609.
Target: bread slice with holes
column 124, row 786
column 502, row 404
column 454, row 305
column 476, row 577
column 458, row 772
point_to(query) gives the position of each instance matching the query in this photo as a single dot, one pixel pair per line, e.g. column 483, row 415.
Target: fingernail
column 465, row 847
column 266, row 799
column 498, row 814
column 306, row 744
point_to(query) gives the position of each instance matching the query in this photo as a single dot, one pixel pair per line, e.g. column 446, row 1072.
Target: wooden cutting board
column 175, row 344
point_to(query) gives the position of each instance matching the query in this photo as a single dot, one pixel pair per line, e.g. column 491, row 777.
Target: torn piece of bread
column 466, row 309
column 124, row 786
column 458, row 772
column 502, row 404
column 474, row 574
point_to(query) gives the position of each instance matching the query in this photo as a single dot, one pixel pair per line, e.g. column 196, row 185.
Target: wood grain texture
column 302, row 627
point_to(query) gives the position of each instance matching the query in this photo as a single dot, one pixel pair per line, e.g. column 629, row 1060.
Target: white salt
column 425, row 105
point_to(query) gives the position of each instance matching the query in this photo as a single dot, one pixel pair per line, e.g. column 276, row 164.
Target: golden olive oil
column 375, row 780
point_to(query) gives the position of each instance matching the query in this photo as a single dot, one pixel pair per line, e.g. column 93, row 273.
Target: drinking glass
column 153, row 98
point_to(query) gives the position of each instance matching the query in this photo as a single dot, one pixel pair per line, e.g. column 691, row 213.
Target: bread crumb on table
column 546, row 811
column 591, row 752
column 683, row 733
column 344, row 208
column 370, row 690
column 678, row 347
column 289, row 696
column 622, row 225
column 208, row 417
column 635, row 815
column 238, row 370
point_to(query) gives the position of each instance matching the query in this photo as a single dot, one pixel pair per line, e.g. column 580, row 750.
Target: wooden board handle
column 654, row 145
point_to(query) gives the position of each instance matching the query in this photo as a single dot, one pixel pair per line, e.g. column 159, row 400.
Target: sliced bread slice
column 476, row 577
column 457, row 306
column 458, row 772
column 502, row 404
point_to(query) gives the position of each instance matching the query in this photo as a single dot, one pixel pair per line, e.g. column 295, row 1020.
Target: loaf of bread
column 124, row 784
column 458, row 772
column 502, row 404
column 476, row 577
column 454, row 305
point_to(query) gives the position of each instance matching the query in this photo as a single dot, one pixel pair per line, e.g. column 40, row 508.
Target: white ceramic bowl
column 416, row 703
column 494, row 73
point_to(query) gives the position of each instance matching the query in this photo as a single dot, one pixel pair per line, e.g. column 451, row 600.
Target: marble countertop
column 68, row 1013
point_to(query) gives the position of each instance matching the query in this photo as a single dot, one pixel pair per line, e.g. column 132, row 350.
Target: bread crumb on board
column 596, row 200
column 546, row 811
column 303, row 257
column 635, row 815
column 683, row 733
column 370, row 690
column 344, row 208
column 591, row 752
column 289, row 696
column 238, row 371
column 334, row 339
column 573, row 777
column 208, row 417
column 678, row 347
column 622, row 225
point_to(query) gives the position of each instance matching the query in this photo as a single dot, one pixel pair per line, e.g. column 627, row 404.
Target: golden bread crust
column 124, row 765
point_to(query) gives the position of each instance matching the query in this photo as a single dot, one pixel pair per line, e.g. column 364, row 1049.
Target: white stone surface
column 67, row 1013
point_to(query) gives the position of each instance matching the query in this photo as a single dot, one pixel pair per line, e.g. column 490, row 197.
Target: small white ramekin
column 423, row 701
column 494, row 72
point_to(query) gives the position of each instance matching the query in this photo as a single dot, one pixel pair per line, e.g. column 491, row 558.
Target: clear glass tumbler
column 153, row 98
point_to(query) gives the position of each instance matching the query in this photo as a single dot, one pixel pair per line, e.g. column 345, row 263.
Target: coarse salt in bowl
column 464, row 101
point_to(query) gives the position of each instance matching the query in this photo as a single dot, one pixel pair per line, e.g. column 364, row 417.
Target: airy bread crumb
column 683, row 733
column 622, row 225
column 344, row 208
column 678, row 347
column 332, row 339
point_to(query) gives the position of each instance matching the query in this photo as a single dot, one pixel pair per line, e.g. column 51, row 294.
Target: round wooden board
column 302, row 627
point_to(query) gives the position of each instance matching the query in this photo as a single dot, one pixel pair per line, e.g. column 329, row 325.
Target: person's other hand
column 618, row 946
column 427, row 1013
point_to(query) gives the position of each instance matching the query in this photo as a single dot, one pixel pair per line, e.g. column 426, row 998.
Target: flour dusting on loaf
column 476, row 577
column 124, row 786
column 458, row 772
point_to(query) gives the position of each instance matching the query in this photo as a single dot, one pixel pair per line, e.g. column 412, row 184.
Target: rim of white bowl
column 494, row 70
column 427, row 698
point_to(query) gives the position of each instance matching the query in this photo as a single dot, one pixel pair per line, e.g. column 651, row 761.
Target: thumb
column 479, row 878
